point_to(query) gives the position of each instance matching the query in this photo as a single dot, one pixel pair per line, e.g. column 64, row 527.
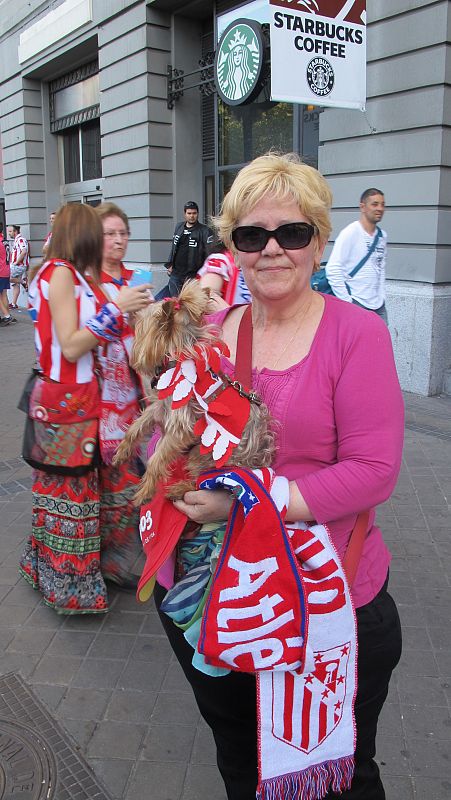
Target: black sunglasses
column 292, row 236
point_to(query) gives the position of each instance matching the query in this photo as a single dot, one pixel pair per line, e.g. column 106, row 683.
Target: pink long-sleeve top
column 341, row 416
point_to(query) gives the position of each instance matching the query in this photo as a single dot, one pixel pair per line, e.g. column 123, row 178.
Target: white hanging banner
column 318, row 52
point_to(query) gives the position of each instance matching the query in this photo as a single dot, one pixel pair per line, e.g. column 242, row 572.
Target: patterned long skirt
column 79, row 527
column 121, row 547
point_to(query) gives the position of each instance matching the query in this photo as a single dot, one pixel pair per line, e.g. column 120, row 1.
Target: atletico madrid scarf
column 279, row 605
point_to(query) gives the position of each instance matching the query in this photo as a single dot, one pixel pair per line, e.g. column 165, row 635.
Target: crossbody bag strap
column 243, row 358
column 365, row 258
column 355, row 546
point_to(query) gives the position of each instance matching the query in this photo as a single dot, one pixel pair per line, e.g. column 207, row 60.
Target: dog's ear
column 148, row 348
column 194, row 299
column 167, row 318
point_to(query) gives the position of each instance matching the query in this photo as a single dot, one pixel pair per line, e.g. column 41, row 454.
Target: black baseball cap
column 191, row 204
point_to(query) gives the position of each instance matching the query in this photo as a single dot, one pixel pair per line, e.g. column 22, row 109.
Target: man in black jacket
column 188, row 251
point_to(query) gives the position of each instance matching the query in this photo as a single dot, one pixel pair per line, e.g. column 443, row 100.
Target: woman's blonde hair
column 283, row 176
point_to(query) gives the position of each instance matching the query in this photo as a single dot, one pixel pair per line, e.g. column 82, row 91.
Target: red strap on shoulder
column 355, row 546
column 243, row 358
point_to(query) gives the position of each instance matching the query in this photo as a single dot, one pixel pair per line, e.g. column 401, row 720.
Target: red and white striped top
column 112, row 288
column 234, row 290
column 50, row 358
column 20, row 244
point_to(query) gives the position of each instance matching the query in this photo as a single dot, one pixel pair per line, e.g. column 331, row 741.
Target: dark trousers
column 228, row 704
column 172, row 288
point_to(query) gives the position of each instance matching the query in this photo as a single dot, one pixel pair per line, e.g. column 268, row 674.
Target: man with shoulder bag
column 355, row 270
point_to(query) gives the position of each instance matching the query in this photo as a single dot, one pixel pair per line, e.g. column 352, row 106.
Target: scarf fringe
column 310, row 784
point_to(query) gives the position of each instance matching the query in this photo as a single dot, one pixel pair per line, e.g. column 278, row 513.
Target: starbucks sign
column 239, row 61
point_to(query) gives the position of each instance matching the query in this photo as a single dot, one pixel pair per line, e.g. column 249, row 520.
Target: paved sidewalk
column 112, row 682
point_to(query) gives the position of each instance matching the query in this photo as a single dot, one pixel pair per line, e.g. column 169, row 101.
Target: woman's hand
column 216, row 303
column 134, row 298
column 205, row 505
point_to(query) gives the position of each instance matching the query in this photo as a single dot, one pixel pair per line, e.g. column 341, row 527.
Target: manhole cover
column 38, row 760
column 27, row 768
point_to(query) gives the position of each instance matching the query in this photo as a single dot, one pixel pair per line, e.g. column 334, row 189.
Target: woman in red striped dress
column 62, row 555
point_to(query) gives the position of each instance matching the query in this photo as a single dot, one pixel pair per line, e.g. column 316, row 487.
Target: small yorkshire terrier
column 203, row 415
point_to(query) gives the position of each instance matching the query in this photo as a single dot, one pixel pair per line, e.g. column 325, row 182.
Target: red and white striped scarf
column 280, row 606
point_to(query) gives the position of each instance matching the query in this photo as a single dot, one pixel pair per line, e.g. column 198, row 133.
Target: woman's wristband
column 107, row 324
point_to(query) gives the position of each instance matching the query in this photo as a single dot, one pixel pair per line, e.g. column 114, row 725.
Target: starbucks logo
column 320, row 76
column 238, row 62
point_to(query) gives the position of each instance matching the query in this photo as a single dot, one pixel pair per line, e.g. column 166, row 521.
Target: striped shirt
column 20, row 244
column 49, row 355
column 111, row 287
column 234, row 290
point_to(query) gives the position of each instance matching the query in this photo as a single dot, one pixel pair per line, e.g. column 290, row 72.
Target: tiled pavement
column 113, row 685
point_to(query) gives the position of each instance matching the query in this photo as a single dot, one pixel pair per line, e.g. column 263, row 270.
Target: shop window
column 82, row 156
column 249, row 131
column 245, row 132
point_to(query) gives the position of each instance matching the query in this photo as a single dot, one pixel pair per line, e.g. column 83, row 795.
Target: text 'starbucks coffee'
column 318, row 52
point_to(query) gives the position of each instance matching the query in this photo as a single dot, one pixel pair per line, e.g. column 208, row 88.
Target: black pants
column 228, row 704
column 172, row 288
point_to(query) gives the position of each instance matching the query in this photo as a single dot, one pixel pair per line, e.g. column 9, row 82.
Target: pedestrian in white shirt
column 356, row 267
column 20, row 261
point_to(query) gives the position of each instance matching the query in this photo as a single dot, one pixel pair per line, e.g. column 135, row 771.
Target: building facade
column 113, row 100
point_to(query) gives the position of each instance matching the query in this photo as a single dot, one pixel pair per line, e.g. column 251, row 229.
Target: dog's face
column 170, row 327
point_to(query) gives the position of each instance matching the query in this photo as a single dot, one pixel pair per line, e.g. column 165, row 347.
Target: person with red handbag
column 62, row 556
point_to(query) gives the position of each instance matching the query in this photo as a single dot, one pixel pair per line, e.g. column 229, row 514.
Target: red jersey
column 50, row 357
column 234, row 290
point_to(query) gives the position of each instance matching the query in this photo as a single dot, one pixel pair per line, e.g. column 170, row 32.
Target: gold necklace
column 303, row 316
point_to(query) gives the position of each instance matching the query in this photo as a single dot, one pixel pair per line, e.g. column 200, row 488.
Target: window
column 248, row 131
column 251, row 130
column 71, row 140
column 90, row 149
column 81, row 148
column 245, row 132
column 74, row 100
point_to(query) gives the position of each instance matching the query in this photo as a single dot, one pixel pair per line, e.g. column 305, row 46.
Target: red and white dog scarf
column 225, row 411
column 280, row 606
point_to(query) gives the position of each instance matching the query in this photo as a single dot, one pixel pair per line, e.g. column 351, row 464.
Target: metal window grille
column 69, row 79
column 208, row 107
